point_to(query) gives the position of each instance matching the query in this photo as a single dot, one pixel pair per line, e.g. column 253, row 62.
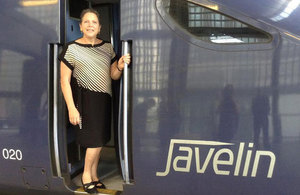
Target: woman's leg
column 95, row 166
column 91, row 155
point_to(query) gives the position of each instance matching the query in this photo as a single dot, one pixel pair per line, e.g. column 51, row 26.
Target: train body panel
column 26, row 34
column 181, row 118
column 280, row 14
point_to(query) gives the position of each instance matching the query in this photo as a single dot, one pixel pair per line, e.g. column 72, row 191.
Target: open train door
column 68, row 156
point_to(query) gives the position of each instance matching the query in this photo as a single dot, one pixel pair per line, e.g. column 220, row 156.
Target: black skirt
column 95, row 111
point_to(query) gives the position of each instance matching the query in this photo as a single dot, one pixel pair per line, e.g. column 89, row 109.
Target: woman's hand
column 74, row 116
column 124, row 59
column 118, row 66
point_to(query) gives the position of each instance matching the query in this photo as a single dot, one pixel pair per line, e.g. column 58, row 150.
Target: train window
column 211, row 26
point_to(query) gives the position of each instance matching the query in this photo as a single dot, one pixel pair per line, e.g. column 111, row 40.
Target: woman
column 88, row 64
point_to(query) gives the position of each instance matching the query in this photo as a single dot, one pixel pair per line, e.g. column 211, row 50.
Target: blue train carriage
column 208, row 105
column 214, row 96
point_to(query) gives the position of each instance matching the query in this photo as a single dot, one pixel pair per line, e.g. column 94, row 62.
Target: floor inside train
column 108, row 172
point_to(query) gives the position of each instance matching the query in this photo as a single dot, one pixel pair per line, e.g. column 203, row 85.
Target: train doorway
column 72, row 164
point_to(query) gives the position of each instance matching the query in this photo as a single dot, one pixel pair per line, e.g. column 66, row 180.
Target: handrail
column 125, row 115
column 55, row 109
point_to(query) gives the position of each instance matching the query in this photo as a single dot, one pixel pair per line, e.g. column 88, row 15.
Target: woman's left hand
column 124, row 59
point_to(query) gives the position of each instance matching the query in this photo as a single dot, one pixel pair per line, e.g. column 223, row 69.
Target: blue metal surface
column 194, row 95
column 278, row 13
column 26, row 32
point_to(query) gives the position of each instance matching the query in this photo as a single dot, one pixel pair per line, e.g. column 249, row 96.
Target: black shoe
column 87, row 187
column 96, row 183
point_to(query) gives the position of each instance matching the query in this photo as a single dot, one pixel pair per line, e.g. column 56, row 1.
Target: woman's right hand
column 74, row 116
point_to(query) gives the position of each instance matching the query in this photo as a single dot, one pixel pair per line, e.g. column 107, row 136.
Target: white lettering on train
column 213, row 156
column 12, row 154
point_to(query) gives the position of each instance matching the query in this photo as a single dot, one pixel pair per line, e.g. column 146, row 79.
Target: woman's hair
column 89, row 10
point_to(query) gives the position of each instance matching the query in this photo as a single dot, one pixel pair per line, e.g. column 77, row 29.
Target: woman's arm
column 65, row 79
column 117, row 67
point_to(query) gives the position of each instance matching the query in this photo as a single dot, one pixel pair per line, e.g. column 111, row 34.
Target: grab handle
column 123, row 119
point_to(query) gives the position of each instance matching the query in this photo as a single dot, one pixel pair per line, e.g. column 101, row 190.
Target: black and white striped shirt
column 90, row 64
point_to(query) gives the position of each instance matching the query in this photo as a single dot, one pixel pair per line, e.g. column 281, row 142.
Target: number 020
column 11, row 154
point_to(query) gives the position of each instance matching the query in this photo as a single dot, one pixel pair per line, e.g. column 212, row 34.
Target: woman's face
column 90, row 25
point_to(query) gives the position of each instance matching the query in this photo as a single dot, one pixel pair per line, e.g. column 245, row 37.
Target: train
column 210, row 103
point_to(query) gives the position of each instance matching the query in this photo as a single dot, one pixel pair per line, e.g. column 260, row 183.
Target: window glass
column 211, row 26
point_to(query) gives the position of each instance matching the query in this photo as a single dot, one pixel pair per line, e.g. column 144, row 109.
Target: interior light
column 28, row 3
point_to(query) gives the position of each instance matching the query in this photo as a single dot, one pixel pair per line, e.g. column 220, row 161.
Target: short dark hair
column 89, row 10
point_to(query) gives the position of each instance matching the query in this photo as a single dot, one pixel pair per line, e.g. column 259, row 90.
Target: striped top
column 90, row 65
